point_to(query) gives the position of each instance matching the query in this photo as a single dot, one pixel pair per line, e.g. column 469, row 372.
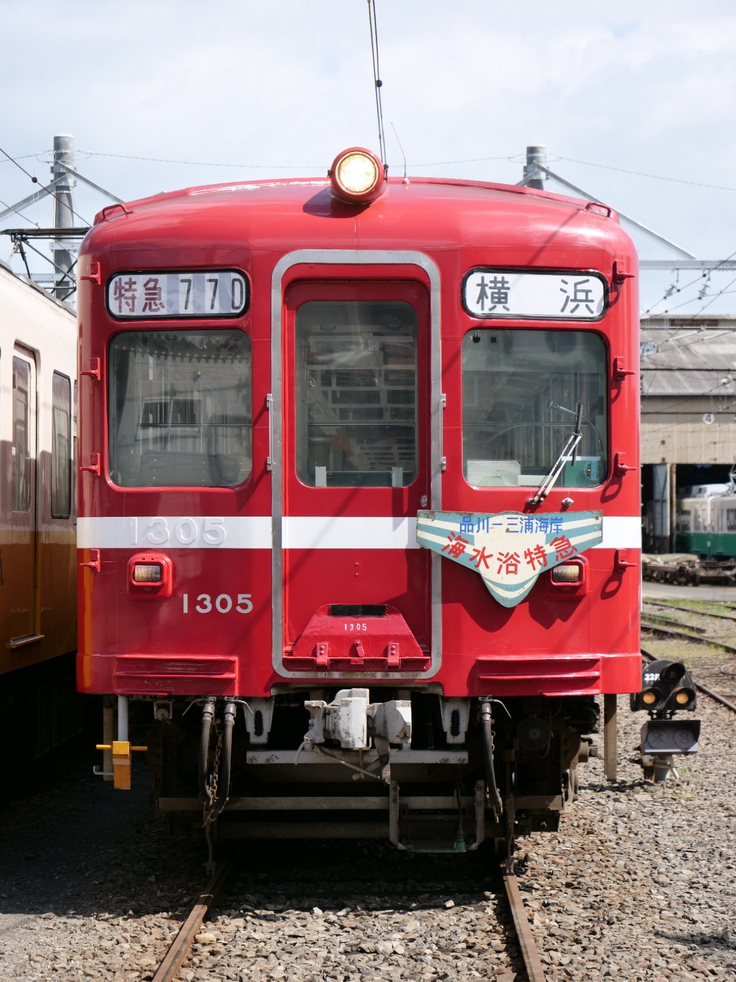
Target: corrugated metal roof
column 688, row 356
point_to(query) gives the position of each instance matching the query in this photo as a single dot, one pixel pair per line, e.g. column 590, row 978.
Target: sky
column 635, row 103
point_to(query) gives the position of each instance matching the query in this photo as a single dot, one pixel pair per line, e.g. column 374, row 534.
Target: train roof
column 688, row 356
column 22, row 283
column 438, row 213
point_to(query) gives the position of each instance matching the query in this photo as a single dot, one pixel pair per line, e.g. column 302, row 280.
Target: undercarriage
column 425, row 772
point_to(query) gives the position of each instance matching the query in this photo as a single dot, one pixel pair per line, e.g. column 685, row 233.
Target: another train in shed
column 706, row 520
column 39, row 706
column 359, row 524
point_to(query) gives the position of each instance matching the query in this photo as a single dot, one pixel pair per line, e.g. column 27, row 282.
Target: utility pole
column 533, row 175
column 64, row 235
column 61, row 250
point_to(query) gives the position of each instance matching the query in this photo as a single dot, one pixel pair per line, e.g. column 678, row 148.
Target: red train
column 359, row 522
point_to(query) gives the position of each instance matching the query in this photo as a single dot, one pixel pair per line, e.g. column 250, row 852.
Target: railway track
column 702, row 652
column 529, row 952
column 518, row 928
column 180, row 950
column 666, row 605
column 181, row 946
column 518, row 931
column 654, row 628
column 637, row 883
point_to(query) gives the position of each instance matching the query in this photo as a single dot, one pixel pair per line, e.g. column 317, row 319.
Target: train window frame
column 526, row 408
column 22, row 477
column 211, row 442
column 391, row 392
column 61, row 462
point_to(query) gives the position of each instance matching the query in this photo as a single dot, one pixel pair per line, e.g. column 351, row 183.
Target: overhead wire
column 687, row 286
column 16, row 212
column 198, row 163
column 655, row 177
column 511, row 158
column 377, row 83
column 686, row 303
column 379, row 113
column 35, row 180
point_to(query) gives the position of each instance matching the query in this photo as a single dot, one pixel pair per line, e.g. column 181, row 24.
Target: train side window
column 61, row 452
column 180, row 409
column 356, row 383
column 521, row 390
column 21, row 435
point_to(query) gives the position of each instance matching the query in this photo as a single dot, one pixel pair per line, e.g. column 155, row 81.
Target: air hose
column 486, row 722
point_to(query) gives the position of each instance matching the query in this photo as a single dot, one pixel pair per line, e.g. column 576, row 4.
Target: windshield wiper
column 564, row 455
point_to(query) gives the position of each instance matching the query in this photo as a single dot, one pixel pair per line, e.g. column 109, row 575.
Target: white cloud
column 647, row 87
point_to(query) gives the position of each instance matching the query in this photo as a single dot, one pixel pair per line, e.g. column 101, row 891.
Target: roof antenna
column 406, row 179
column 377, row 78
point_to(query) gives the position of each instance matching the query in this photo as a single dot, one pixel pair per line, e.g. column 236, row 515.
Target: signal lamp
column 666, row 688
column 568, row 581
column 148, row 573
column 357, row 176
column 673, row 672
column 567, row 573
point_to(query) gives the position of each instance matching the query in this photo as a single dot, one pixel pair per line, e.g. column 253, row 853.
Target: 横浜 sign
column 548, row 296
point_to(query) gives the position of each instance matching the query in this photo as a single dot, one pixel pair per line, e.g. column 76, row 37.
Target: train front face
column 359, row 501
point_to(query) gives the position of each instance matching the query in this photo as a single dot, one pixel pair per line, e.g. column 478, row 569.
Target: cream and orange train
column 38, row 704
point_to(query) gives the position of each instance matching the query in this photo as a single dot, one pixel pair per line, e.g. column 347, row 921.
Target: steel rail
column 669, row 622
column 661, row 629
column 182, row 943
column 532, row 963
column 698, row 685
column 687, row 610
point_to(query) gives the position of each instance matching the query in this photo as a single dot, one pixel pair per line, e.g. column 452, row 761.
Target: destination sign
column 199, row 293
column 495, row 293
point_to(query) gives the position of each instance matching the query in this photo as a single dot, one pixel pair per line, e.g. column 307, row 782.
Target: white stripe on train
column 298, row 532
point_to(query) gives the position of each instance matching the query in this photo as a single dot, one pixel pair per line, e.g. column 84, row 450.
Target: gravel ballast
column 639, row 885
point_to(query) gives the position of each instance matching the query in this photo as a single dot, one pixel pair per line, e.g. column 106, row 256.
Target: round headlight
column 357, row 175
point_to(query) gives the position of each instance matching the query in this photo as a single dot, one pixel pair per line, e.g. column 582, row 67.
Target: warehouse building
column 688, row 414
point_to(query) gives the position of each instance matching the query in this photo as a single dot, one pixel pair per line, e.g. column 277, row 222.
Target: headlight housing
column 357, row 176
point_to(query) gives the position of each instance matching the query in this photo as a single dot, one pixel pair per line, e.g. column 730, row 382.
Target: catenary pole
column 63, row 213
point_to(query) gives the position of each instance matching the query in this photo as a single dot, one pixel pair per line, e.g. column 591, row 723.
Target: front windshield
column 521, row 391
column 180, row 409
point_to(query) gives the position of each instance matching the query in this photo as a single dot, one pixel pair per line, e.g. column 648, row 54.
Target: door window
column 356, row 387
column 61, row 460
column 21, row 436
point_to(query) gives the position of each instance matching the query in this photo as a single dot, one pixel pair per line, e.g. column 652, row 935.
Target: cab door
column 355, row 589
